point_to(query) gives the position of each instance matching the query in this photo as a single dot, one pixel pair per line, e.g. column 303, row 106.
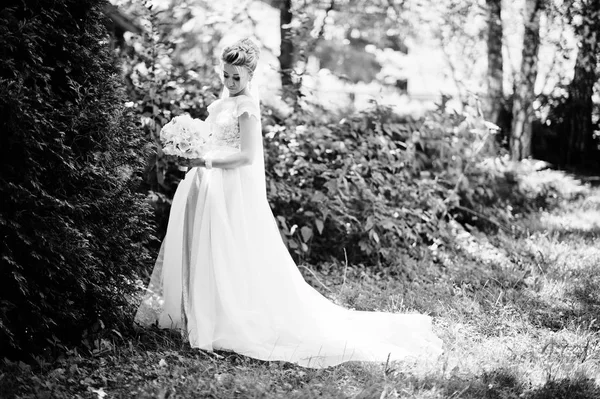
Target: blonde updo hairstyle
column 243, row 53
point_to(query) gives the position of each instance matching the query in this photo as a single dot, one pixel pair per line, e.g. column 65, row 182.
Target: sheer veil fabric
column 226, row 280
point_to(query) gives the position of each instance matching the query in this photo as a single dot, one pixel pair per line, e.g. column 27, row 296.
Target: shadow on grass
column 553, row 276
column 154, row 338
column 584, row 234
column 498, row 384
column 581, row 310
column 579, row 303
column 586, row 290
column 504, row 384
column 566, row 389
column 554, row 317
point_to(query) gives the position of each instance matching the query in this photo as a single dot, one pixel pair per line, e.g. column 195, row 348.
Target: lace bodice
column 223, row 116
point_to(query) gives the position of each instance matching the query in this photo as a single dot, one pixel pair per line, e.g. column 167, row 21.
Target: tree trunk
column 580, row 133
column 495, row 95
column 523, row 112
column 286, row 55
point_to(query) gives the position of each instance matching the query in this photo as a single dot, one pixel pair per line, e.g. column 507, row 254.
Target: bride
column 224, row 276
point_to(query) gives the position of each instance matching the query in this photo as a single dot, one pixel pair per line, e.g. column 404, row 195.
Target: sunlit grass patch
column 580, row 221
column 482, row 335
column 535, row 355
column 580, row 216
column 477, row 246
column 549, row 186
column 560, row 256
column 568, row 280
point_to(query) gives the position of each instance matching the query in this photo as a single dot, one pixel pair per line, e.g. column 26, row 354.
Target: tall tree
column 73, row 229
column 524, row 94
column 495, row 71
column 580, row 131
column 286, row 54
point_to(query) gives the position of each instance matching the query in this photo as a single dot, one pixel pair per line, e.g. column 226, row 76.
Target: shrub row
column 74, row 230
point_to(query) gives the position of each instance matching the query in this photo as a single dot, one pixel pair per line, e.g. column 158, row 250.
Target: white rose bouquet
column 184, row 137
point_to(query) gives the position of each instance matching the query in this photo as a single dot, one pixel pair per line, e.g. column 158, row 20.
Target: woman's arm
column 249, row 147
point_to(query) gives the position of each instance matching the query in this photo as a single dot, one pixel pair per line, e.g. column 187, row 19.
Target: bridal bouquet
column 184, row 136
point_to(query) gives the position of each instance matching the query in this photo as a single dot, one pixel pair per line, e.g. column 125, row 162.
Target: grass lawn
column 519, row 315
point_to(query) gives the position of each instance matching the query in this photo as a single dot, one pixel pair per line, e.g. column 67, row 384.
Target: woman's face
column 235, row 79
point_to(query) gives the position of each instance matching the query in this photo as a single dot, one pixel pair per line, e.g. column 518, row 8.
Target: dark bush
column 74, row 231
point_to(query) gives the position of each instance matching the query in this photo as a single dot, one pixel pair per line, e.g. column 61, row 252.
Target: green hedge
column 74, row 231
column 377, row 188
column 348, row 188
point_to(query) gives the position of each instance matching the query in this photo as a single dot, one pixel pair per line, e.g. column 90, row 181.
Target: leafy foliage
column 164, row 81
column 376, row 188
column 74, row 231
column 370, row 186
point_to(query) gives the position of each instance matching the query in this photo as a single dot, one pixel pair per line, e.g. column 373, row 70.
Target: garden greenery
column 367, row 187
column 74, row 231
column 374, row 187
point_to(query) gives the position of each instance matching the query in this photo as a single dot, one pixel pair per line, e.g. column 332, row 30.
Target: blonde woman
column 224, row 276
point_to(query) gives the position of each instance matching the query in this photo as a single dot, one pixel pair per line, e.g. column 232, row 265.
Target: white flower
column 100, row 392
column 185, row 136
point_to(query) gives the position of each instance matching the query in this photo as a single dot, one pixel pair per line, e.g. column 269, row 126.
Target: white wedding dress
column 225, row 278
